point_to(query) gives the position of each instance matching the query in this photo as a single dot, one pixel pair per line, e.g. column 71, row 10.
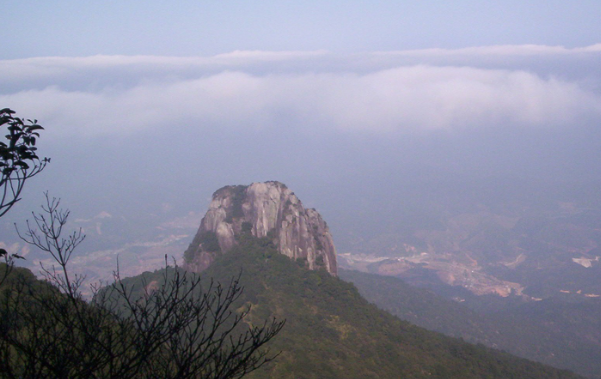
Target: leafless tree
column 173, row 328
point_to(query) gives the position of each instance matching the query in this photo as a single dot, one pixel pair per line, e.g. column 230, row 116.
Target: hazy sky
column 154, row 105
column 193, row 28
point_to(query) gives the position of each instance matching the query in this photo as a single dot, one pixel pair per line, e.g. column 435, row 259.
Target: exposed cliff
column 269, row 210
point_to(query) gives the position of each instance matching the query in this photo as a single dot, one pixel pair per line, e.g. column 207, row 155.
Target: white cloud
column 85, row 96
column 500, row 50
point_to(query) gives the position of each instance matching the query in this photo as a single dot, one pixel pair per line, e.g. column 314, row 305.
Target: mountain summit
column 264, row 210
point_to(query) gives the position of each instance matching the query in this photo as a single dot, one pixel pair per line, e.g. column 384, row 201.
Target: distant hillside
column 332, row 332
column 554, row 331
column 527, row 240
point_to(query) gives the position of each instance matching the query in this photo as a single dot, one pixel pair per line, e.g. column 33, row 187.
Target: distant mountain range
column 531, row 254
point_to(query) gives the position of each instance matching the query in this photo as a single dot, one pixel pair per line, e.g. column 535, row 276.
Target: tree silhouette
column 18, row 159
column 171, row 328
column 18, row 163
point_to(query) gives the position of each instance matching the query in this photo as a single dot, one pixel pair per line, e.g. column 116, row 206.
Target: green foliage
column 210, row 242
column 18, row 163
column 172, row 326
column 158, row 325
column 18, row 157
column 238, row 193
column 301, row 262
column 551, row 331
column 246, row 227
column 319, row 261
column 318, row 244
column 332, row 332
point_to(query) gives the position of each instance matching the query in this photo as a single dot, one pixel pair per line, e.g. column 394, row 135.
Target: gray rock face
column 263, row 209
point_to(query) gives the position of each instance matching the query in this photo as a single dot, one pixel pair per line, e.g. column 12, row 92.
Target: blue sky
column 154, row 105
column 201, row 28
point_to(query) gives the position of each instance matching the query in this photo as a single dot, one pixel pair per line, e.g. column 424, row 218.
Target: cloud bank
column 314, row 91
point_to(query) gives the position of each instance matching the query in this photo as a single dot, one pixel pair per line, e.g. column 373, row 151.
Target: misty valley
column 510, row 274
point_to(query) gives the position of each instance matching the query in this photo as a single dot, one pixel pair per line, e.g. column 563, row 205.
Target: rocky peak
column 267, row 209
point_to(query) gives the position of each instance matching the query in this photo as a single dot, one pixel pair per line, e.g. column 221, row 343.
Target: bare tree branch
column 173, row 329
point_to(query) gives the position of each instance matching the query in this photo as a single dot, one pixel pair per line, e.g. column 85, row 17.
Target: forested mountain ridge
column 332, row 332
column 556, row 332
